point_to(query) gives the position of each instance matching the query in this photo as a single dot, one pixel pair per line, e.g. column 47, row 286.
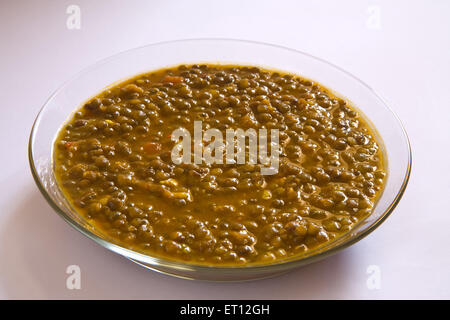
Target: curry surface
column 113, row 162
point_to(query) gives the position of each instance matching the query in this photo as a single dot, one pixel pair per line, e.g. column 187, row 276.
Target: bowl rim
column 157, row 261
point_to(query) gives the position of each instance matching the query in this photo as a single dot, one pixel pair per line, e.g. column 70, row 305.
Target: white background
column 404, row 55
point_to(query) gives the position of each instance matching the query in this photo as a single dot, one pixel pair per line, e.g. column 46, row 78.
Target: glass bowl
column 92, row 80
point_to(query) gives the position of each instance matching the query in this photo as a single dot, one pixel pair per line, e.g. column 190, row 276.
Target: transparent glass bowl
column 92, row 80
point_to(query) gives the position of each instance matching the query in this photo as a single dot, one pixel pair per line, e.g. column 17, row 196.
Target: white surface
column 406, row 60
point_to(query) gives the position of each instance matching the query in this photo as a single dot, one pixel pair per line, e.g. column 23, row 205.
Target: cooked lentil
column 112, row 161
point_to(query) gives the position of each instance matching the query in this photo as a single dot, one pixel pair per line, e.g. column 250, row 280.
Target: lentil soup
column 112, row 159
